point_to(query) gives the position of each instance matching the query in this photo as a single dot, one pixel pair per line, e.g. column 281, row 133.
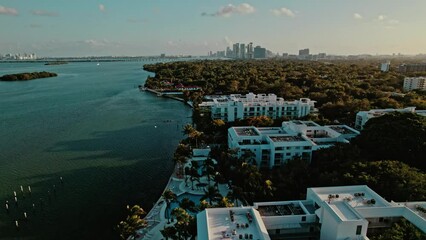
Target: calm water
column 111, row 144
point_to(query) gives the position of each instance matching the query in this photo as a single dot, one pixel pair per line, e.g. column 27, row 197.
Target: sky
column 151, row 27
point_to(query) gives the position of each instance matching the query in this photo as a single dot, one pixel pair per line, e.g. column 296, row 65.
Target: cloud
column 381, row 17
column 8, row 11
column 102, row 8
column 44, row 13
column 283, row 12
column 358, row 16
column 231, row 9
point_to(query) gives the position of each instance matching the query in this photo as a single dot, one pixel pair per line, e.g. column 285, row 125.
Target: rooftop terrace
column 246, row 131
column 342, row 129
column 287, row 138
column 281, row 210
column 234, row 223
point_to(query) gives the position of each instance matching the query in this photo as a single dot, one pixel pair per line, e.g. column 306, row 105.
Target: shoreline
column 160, row 94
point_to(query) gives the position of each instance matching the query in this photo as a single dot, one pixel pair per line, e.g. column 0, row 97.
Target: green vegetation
column 132, row 223
column 340, row 88
column 27, row 76
column 402, row 230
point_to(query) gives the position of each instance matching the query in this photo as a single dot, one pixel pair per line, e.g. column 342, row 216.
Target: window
column 358, row 229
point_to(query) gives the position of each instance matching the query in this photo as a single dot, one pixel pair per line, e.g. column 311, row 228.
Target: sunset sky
column 152, row 27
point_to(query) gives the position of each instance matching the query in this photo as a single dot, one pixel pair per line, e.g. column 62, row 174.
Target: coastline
column 161, row 94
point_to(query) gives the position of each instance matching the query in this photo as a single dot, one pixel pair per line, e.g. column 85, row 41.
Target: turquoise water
column 195, row 198
column 111, row 144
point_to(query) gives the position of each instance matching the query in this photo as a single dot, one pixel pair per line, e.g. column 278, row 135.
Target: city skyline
column 78, row 28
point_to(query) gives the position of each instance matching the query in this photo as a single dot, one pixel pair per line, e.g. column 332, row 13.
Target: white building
column 236, row 106
column 411, row 83
column 363, row 116
column 385, row 67
column 273, row 146
column 327, row 213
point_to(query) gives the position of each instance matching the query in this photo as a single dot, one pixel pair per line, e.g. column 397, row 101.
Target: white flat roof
column 355, row 196
column 220, row 225
column 344, row 211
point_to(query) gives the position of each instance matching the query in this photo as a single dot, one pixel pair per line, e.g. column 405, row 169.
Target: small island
column 27, row 76
column 56, row 63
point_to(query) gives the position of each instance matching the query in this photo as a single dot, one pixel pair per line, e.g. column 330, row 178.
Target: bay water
column 111, row 145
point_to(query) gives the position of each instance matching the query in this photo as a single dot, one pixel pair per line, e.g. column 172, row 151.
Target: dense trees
column 399, row 136
column 402, row 230
column 27, row 76
column 341, row 88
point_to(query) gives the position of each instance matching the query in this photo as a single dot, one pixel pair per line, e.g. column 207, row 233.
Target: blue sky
column 151, row 27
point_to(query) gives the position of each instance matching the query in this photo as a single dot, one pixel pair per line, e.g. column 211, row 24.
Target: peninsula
column 27, row 76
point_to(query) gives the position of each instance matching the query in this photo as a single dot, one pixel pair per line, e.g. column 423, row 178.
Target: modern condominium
column 411, row 83
column 274, row 146
column 363, row 116
column 232, row 107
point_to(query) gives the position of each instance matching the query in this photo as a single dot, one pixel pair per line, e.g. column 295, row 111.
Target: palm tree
column 193, row 172
column 225, row 202
column 132, row 223
column 235, row 194
column 187, row 204
column 209, row 169
column 169, row 232
column 203, row 205
column 212, row 194
column 188, row 129
column 183, row 219
column 169, row 196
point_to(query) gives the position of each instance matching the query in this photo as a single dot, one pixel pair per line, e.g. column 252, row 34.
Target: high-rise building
column 242, row 50
column 250, row 53
column 259, row 52
column 411, row 83
column 236, row 50
column 304, row 52
column 229, row 52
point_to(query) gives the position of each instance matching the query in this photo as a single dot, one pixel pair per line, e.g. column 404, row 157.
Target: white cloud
column 102, row 8
column 231, row 9
column 358, row 16
column 8, row 11
column 283, row 12
column 44, row 13
column 381, row 17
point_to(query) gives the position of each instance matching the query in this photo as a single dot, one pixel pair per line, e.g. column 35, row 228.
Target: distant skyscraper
column 304, row 52
column 242, row 50
column 229, row 52
column 236, row 50
column 259, row 52
column 250, row 51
